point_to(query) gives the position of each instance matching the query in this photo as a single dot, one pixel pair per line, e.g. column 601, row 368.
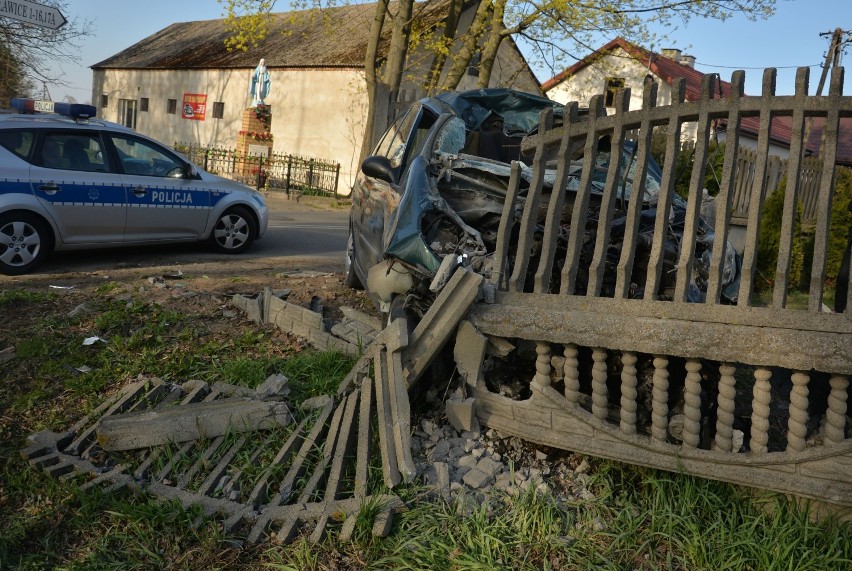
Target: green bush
column 803, row 239
column 841, row 220
column 769, row 239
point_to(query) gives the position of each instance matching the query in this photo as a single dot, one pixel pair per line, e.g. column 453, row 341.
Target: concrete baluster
column 725, row 412
column 542, row 365
column 760, row 410
column 835, row 416
column 692, row 404
column 660, row 403
column 628, row 393
column 797, row 424
column 572, row 374
column 600, row 394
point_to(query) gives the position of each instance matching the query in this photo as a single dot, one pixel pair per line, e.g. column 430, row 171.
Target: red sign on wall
column 194, row 106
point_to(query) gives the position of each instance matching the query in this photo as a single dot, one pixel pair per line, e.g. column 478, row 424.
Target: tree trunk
column 492, row 44
column 371, row 78
column 447, row 38
column 465, row 54
column 398, row 49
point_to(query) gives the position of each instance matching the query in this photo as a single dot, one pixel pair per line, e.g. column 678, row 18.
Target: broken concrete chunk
column 252, row 306
column 460, row 413
column 469, row 352
column 499, row 347
column 189, row 422
column 483, row 473
column 442, row 275
column 7, row 354
column 383, row 524
column 275, row 387
column 360, row 317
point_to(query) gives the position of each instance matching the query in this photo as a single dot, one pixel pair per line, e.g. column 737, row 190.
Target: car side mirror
column 378, row 167
column 189, row 171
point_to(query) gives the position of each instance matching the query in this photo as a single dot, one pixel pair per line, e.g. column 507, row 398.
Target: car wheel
column 25, row 241
column 351, row 279
column 234, row 231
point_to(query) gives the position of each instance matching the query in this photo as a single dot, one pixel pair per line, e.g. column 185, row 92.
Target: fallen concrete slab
column 195, row 421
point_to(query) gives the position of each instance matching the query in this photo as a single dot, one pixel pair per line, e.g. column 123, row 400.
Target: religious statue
column 260, row 83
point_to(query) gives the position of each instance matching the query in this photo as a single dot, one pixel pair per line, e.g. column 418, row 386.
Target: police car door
column 72, row 179
column 162, row 203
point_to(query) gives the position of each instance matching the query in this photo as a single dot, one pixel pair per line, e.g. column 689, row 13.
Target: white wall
column 315, row 112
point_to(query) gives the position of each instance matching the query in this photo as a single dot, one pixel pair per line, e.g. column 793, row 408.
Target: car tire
column 351, row 276
column 234, row 231
column 25, row 241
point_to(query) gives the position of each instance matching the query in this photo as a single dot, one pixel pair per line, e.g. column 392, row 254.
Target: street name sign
column 32, row 13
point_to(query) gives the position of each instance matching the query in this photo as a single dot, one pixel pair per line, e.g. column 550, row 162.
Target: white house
column 621, row 64
column 317, row 97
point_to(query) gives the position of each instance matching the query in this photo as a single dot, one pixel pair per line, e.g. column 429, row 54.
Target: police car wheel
column 25, row 240
column 234, row 231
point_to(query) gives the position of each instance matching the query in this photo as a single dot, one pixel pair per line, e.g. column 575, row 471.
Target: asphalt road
column 311, row 231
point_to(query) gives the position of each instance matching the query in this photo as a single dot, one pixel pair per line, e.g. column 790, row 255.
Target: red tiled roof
column 663, row 67
column 668, row 70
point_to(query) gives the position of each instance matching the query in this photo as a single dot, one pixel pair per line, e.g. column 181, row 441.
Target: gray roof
column 333, row 37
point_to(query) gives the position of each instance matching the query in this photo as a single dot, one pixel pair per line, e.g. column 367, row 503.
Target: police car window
column 17, row 142
column 77, row 151
column 74, row 151
column 143, row 158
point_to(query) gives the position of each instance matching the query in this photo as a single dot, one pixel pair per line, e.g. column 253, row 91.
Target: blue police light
column 73, row 110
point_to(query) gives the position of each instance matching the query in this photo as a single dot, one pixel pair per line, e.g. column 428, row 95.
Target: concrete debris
column 190, row 422
column 461, row 414
column 268, row 307
column 80, row 310
column 233, row 476
column 440, row 322
column 7, row 354
column 477, row 463
column 275, row 387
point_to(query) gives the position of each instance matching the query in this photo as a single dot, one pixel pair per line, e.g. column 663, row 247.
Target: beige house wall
column 315, row 112
column 591, row 80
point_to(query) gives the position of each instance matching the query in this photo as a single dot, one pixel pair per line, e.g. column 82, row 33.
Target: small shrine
column 254, row 140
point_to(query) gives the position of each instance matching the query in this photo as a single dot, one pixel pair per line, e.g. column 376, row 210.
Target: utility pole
column 839, row 40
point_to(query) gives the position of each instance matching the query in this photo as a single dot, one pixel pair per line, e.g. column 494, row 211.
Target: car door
column 375, row 201
column 163, row 202
column 73, row 181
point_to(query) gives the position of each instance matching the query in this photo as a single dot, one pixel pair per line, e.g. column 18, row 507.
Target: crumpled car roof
column 520, row 111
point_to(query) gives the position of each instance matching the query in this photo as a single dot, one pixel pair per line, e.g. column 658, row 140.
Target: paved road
column 310, row 231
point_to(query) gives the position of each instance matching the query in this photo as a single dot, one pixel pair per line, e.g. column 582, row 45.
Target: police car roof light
column 73, row 110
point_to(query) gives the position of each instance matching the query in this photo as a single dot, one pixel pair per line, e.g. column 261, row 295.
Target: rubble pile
column 473, row 463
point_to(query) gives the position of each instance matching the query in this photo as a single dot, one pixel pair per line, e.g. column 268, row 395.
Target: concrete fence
column 732, row 387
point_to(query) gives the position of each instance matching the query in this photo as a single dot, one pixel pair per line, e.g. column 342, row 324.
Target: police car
column 69, row 181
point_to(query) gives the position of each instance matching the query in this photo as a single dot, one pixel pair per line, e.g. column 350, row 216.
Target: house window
column 127, row 112
column 172, row 108
column 143, row 104
column 104, row 100
column 612, row 86
column 218, row 109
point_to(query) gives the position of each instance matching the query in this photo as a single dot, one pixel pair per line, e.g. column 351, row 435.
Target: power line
column 699, row 63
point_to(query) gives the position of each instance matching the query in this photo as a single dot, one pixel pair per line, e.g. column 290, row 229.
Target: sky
column 789, row 39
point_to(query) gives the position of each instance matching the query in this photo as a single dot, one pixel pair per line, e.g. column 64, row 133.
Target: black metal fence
column 281, row 172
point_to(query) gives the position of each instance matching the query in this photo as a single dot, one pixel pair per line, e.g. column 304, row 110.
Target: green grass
column 641, row 519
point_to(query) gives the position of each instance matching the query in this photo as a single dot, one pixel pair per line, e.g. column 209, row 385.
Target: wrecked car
column 436, row 183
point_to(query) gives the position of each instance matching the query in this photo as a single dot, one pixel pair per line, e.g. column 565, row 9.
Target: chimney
column 688, row 61
column 671, row 53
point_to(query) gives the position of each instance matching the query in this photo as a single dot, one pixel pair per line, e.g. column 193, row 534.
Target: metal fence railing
column 278, row 172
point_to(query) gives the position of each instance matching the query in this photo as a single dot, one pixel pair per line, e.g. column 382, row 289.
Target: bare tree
column 29, row 52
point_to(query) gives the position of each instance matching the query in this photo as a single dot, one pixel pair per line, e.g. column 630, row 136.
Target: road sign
column 32, row 13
